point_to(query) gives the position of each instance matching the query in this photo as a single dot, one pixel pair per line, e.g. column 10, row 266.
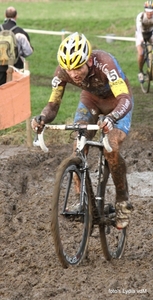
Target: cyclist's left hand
column 107, row 124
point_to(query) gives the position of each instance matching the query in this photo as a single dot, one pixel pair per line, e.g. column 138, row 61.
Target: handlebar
column 75, row 127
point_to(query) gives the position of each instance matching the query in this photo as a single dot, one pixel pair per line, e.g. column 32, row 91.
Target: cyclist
column 144, row 32
column 105, row 90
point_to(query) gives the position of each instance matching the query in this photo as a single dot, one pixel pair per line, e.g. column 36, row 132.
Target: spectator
column 24, row 47
column 144, row 32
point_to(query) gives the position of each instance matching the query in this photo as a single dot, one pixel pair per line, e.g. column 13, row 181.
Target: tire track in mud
column 30, row 267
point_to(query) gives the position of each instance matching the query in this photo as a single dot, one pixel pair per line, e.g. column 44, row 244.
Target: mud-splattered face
column 79, row 74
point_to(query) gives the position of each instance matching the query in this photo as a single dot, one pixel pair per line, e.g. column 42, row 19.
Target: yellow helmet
column 74, row 51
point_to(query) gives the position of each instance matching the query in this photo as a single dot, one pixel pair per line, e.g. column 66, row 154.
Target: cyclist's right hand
column 37, row 123
column 106, row 124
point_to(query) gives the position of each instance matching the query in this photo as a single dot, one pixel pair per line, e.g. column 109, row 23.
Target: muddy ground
column 30, row 268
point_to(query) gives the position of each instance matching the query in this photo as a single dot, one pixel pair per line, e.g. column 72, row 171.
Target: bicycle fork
column 99, row 195
column 84, row 200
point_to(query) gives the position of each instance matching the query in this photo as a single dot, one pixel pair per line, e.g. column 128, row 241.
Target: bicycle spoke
column 70, row 222
column 145, row 85
column 112, row 240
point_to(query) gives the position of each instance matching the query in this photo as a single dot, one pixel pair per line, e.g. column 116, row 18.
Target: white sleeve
column 139, row 27
column 24, row 46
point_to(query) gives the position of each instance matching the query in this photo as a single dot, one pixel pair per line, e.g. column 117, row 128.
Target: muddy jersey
column 105, row 86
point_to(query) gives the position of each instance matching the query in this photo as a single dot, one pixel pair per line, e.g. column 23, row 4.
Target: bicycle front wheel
column 113, row 241
column 145, row 85
column 71, row 213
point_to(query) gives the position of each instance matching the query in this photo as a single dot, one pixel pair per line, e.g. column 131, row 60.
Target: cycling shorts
column 83, row 114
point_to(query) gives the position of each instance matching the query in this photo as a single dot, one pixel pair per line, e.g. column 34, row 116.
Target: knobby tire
column 113, row 241
column 70, row 231
column 148, row 74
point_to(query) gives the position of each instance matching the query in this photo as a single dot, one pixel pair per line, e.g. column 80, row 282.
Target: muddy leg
column 117, row 164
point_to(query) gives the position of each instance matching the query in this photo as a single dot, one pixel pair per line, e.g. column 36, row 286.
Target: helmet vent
column 74, row 51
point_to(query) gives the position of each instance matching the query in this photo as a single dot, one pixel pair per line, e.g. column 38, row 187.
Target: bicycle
column 147, row 67
column 72, row 229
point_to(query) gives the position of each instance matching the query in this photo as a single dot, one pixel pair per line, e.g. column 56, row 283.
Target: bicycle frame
column 97, row 199
column 93, row 208
column 81, row 143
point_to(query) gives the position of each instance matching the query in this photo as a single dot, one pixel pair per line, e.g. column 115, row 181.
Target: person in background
column 144, row 32
column 105, row 90
column 24, row 47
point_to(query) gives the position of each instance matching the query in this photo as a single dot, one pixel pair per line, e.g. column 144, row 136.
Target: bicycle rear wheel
column 113, row 241
column 145, row 85
column 70, row 227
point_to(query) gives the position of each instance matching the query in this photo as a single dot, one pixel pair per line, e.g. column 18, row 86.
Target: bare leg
column 140, row 57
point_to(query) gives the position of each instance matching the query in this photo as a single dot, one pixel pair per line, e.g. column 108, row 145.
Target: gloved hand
column 107, row 124
column 37, row 123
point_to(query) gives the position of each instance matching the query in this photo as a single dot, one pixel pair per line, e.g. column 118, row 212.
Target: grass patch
column 93, row 18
